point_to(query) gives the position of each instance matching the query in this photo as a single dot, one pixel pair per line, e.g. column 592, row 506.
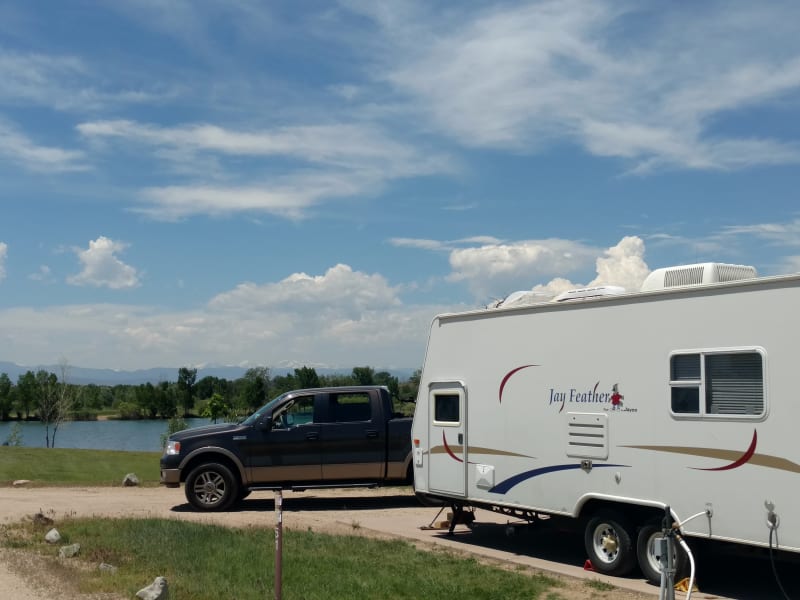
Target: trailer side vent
column 587, row 435
column 696, row 275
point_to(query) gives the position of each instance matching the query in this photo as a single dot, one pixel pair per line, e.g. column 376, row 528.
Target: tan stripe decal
column 762, row 460
column 478, row 450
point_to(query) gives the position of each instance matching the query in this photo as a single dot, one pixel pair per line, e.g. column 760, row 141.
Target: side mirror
column 265, row 424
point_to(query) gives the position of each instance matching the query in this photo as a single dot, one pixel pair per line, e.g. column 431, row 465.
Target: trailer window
column 446, row 408
column 717, row 384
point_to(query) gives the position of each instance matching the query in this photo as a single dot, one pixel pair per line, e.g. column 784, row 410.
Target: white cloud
column 17, row 148
column 3, row 256
column 621, row 265
column 44, row 274
column 338, row 318
column 102, row 268
column 337, row 160
column 785, row 234
column 494, row 269
column 609, row 77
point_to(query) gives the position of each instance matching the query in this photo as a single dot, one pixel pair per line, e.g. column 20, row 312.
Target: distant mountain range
column 83, row 375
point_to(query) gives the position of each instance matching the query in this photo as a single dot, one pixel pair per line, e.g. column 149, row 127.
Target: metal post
column 666, row 549
column 278, row 544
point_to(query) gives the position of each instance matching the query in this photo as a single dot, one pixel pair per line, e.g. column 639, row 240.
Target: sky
column 237, row 182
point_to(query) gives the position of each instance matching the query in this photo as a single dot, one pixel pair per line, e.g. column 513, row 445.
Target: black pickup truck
column 312, row 438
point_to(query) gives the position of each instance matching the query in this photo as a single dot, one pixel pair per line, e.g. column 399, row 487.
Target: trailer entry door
column 447, row 467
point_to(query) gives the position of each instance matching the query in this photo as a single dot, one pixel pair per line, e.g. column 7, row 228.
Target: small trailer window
column 446, row 408
column 717, row 384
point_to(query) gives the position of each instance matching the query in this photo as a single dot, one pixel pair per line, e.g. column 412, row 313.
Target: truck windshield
column 254, row 418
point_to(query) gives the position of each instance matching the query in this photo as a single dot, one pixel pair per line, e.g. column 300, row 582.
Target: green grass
column 208, row 562
column 63, row 466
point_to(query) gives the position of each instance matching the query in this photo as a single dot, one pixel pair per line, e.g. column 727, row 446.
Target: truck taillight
column 416, row 442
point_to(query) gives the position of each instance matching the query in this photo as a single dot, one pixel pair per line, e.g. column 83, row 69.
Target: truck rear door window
column 347, row 408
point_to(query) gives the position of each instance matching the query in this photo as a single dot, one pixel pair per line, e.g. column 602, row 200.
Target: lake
column 144, row 435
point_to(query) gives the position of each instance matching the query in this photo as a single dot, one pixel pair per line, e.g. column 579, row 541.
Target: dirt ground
column 386, row 512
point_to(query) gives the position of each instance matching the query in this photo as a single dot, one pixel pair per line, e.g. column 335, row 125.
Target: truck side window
column 717, row 383
column 347, row 408
column 299, row 413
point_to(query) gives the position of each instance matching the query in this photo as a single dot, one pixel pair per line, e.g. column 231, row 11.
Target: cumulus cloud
column 337, row 318
column 621, row 265
column 3, row 256
column 102, row 267
column 493, row 269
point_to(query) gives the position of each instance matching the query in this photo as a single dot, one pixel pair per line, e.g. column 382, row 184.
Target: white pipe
column 685, row 547
column 700, row 514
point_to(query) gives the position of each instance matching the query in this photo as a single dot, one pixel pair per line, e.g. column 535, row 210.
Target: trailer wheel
column 647, row 551
column 609, row 543
column 211, row 487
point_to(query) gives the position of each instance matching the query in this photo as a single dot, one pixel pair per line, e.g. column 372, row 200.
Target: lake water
column 144, row 435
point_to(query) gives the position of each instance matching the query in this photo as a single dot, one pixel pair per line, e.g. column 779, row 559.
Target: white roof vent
column 698, row 274
column 592, row 292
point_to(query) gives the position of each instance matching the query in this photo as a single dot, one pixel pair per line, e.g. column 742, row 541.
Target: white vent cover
column 587, row 435
column 698, row 274
column 586, row 293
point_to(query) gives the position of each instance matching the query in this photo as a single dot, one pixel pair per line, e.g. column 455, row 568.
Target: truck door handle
column 372, row 433
column 313, row 435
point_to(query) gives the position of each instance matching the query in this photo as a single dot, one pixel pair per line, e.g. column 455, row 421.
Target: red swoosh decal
column 508, row 376
column 447, row 449
column 742, row 459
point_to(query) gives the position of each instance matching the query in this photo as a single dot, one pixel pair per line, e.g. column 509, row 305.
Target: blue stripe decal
column 504, row 486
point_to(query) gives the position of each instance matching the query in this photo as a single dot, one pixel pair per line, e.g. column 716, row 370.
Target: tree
column 5, row 396
column 27, row 391
column 390, row 381
column 216, row 407
column 364, row 375
column 186, row 379
column 256, row 387
column 56, row 398
column 306, row 377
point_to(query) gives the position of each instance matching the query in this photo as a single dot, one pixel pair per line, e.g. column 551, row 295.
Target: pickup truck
column 303, row 439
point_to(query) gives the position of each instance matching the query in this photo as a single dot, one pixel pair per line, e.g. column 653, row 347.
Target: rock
column 130, row 480
column 155, row 591
column 107, row 568
column 21, row 482
column 52, row 536
column 69, row 551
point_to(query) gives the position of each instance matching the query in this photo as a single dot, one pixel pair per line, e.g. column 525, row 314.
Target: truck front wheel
column 211, row 487
column 609, row 543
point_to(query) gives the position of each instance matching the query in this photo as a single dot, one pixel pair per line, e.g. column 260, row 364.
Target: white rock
column 21, row 482
column 52, row 536
column 155, row 591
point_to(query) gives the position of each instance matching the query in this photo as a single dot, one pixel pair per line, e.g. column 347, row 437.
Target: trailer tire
column 211, row 487
column 646, row 553
column 609, row 543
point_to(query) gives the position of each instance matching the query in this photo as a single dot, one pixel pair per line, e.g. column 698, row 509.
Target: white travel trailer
column 610, row 408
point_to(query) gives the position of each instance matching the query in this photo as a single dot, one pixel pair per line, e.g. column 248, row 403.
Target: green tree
column 6, row 397
column 255, row 389
column 390, row 381
column 306, row 377
column 186, row 380
column 410, row 387
column 364, row 375
column 27, row 392
column 216, row 407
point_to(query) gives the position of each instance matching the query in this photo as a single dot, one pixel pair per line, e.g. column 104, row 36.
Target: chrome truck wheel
column 211, row 487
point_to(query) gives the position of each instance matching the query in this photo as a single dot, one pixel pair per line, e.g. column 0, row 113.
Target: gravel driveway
column 385, row 512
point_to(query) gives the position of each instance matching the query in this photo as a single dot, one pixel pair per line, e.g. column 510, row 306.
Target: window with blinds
column 730, row 384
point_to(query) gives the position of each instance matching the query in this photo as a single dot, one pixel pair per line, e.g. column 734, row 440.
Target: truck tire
column 609, row 543
column 211, row 487
column 647, row 554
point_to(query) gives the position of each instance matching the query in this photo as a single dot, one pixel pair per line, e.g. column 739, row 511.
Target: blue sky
column 239, row 182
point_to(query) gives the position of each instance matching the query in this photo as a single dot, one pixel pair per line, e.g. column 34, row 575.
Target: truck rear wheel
column 647, row 551
column 211, row 487
column 609, row 543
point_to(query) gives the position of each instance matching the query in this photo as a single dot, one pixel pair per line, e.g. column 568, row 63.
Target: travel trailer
column 611, row 407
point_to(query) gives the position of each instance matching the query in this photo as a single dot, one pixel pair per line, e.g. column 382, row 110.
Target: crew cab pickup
column 311, row 438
